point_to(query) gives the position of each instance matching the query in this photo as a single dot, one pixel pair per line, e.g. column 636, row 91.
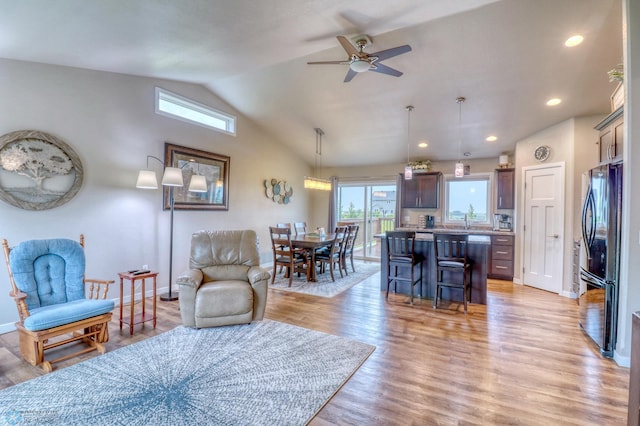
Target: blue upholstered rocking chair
column 48, row 286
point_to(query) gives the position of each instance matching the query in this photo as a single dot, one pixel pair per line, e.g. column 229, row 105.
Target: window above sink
column 467, row 197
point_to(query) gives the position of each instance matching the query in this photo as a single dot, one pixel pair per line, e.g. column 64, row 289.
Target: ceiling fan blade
column 347, row 46
column 383, row 69
column 390, row 53
column 329, row 62
column 350, row 74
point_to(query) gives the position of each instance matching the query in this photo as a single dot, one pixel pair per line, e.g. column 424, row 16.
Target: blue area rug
column 265, row 373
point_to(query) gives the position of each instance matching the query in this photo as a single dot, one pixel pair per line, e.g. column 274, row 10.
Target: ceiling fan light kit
column 360, row 65
column 360, row 61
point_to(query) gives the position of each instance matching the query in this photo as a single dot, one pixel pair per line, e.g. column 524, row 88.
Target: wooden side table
column 142, row 317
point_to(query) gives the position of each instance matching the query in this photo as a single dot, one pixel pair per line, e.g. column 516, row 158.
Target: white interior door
column 544, row 227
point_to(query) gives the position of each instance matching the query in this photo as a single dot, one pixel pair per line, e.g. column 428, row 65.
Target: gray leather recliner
column 225, row 284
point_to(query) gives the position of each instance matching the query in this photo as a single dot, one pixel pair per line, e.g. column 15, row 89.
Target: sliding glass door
column 372, row 205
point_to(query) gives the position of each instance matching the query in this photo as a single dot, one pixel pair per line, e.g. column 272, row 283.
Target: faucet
column 466, row 222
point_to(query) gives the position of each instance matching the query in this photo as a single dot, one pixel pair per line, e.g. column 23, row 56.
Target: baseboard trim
column 622, row 361
column 7, row 328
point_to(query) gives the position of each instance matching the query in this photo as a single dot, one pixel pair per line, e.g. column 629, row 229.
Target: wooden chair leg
column 395, row 281
column 464, row 296
column 435, row 297
column 420, row 280
column 411, row 284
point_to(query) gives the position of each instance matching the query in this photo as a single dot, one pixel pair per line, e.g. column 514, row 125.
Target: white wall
column 109, row 120
column 572, row 143
column 629, row 265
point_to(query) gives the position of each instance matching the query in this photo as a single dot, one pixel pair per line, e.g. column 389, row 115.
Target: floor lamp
column 171, row 177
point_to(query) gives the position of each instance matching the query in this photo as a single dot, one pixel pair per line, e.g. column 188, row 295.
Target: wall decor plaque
column 38, row 171
column 280, row 191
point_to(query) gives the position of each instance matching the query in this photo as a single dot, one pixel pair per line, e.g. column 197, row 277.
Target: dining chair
column 333, row 256
column 453, row 269
column 402, row 260
column 284, row 254
column 349, row 244
column 283, row 225
column 300, row 228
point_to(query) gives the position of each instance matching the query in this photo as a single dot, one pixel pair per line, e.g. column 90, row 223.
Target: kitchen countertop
column 471, row 231
column 428, row 236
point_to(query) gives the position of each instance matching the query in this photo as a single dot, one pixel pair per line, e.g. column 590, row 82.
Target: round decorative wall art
column 38, row 171
column 280, row 191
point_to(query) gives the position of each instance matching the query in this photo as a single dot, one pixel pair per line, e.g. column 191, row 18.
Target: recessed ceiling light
column 491, row 138
column 553, row 102
column 423, row 144
column 467, row 154
column 574, row 40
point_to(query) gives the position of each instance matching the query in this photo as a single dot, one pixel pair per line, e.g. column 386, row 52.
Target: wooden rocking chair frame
column 94, row 331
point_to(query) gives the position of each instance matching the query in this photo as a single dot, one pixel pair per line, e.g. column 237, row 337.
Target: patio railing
column 379, row 225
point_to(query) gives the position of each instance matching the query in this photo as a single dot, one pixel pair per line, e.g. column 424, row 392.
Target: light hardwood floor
column 521, row 359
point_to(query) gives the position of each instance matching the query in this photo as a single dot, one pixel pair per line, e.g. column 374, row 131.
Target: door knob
column 553, row 236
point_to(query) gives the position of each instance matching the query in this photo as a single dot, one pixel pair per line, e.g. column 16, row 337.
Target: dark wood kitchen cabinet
column 611, row 138
column 422, row 191
column 501, row 257
column 505, row 197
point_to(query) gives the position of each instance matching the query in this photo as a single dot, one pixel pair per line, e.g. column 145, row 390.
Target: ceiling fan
column 361, row 61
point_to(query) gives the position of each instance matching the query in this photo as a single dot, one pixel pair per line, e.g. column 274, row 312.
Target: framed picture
column 215, row 169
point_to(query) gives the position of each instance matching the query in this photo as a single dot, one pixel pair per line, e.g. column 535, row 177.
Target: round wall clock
column 542, row 153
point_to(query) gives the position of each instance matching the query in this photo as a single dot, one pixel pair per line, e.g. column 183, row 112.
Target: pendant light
column 459, row 169
column 317, row 183
column 408, row 171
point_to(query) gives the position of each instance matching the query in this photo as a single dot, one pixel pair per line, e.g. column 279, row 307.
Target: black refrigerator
column 600, row 263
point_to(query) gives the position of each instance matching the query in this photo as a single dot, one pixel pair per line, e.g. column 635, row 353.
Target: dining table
column 310, row 243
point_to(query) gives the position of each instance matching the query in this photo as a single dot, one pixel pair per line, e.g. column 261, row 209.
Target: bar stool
column 451, row 257
column 401, row 255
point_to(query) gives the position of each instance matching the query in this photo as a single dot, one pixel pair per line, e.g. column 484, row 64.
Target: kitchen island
column 478, row 255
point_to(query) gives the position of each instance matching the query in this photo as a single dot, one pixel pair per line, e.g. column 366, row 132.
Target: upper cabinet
column 611, row 139
column 505, row 188
column 423, row 191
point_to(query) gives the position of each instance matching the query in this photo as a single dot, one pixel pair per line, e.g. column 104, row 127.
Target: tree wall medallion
column 38, row 171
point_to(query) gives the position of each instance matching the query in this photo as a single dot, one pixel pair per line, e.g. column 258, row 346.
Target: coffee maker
column 501, row 222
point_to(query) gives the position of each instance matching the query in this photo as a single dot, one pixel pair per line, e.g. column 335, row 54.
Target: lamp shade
column 198, row 184
column 316, row 183
column 172, row 177
column 147, row 180
column 408, row 173
column 459, row 170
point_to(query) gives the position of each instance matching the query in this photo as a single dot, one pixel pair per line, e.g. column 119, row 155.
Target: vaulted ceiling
column 506, row 57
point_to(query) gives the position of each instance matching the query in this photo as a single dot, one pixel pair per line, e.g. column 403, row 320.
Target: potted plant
column 420, row 166
column 616, row 74
column 617, row 98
